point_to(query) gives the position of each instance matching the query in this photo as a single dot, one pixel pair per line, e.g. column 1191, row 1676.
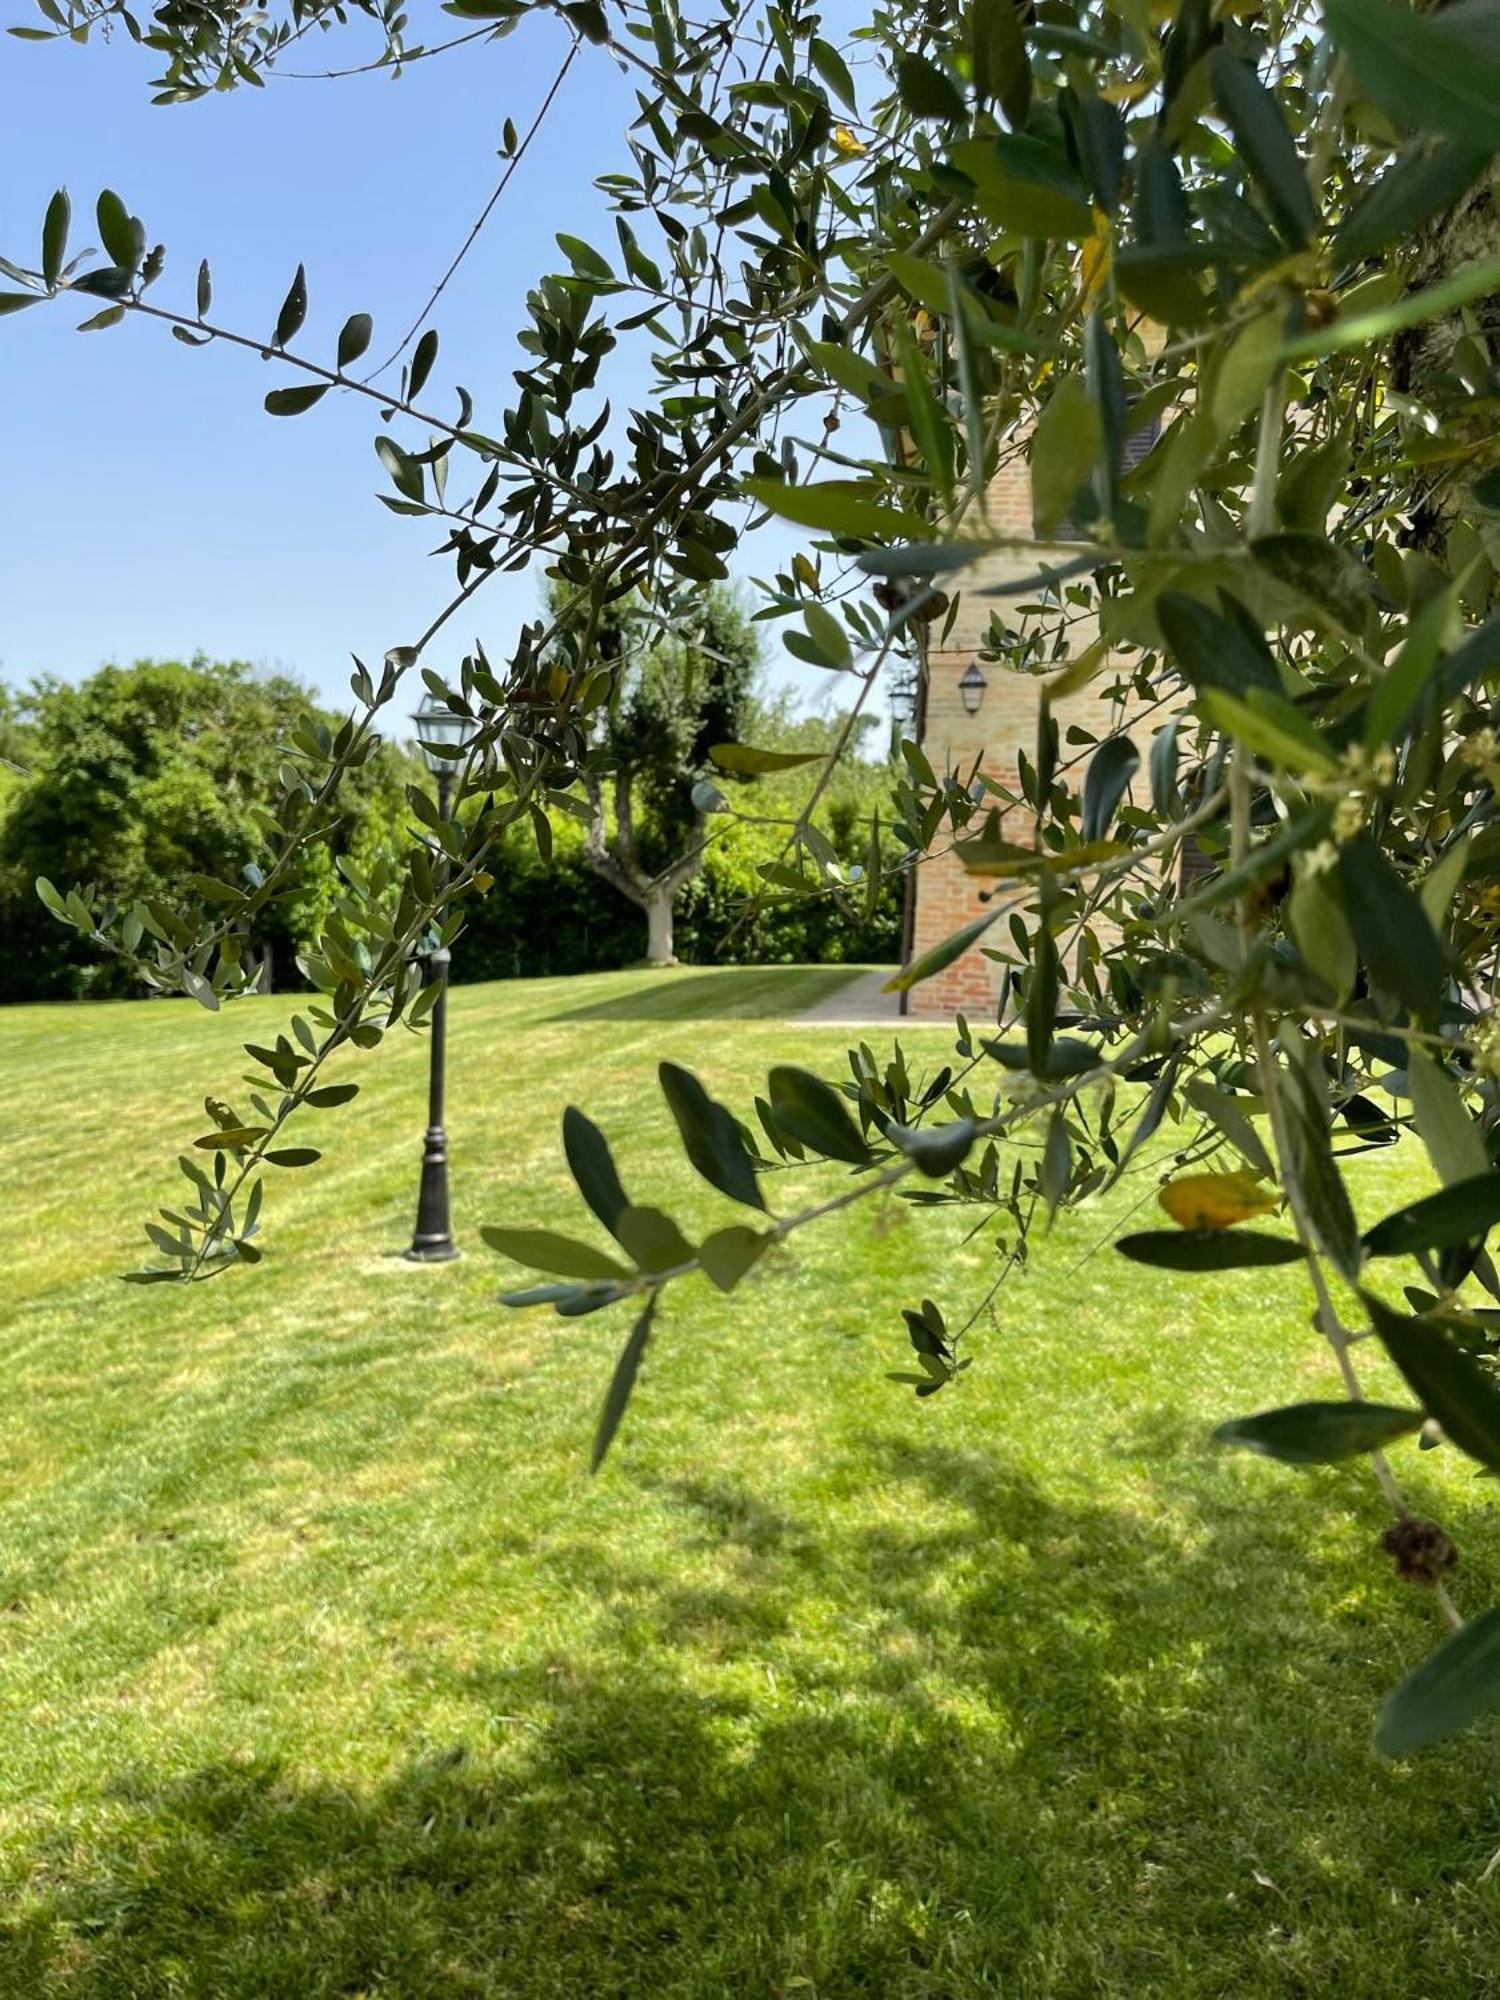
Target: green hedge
column 559, row 917
column 142, row 775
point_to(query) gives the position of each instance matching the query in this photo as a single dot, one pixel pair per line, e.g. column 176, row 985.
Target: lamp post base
column 432, row 1253
column 432, row 1239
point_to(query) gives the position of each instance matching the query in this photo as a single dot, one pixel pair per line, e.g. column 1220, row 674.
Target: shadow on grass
column 733, row 993
column 1059, row 1749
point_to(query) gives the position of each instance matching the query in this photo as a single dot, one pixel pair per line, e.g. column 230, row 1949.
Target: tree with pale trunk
column 678, row 694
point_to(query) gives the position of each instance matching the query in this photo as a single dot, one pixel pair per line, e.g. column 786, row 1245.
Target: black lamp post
column 432, row 1241
column 971, row 686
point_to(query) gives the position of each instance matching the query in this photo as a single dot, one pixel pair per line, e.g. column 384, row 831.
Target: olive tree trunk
column 659, row 928
column 613, row 855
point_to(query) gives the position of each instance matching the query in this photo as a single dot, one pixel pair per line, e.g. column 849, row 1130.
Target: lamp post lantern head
column 971, row 687
column 440, row 727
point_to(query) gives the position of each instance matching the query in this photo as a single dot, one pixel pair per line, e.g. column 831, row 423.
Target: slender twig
column 392, row 59
column 484, row 214
column 1268, row 1077
column 1260, row 517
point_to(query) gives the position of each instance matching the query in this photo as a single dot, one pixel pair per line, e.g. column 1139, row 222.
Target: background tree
column 676, row 695
column 553, row 914
column 141, row 775
column 17, row 739
column 863, row 295
column 16, row 736
column 142, row 779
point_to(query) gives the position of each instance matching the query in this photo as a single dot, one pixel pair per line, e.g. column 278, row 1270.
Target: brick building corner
column 944, row 896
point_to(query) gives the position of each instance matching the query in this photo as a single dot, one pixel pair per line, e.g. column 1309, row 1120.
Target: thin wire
column 484, row 215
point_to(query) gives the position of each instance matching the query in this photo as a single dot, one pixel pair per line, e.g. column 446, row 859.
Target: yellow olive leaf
column 1095, row 260
column 1130, row 92
column 1215, row 1201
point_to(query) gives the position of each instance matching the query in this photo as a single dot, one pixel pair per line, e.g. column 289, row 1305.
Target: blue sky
column 149, row 505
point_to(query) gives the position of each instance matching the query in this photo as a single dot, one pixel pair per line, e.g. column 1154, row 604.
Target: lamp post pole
column 432, row 1240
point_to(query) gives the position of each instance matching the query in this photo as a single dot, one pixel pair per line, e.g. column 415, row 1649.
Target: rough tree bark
column 659, row 934
column 1468, row 231
column 1423, row 354
column 616, row 859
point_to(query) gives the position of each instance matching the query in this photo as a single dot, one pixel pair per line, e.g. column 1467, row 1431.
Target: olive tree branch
column 489, row 831
column 899, row 1170
column 1334, row 1331
column 389, row 60
column 1267, row 1068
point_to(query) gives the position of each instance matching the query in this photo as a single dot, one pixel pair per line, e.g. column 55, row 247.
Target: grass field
column 327, row 1671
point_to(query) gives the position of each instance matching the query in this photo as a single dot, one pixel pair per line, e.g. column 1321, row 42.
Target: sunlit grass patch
column 330, row 1671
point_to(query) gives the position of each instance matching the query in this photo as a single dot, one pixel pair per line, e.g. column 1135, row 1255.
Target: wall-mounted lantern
column 971, row 687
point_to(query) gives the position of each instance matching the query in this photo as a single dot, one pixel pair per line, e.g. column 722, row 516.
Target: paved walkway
column 857, row 1004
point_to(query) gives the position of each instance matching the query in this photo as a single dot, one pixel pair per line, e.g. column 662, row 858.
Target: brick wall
column 1007, row 720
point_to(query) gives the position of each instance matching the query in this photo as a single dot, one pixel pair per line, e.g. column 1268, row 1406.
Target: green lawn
column 327, row 1670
